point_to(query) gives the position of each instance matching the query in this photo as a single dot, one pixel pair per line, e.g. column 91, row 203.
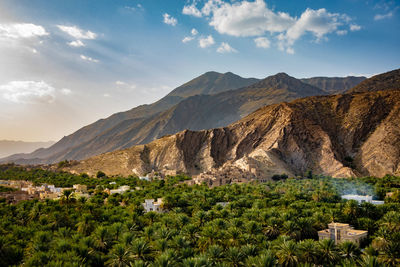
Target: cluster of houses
column 231, row 175
column 26, row 191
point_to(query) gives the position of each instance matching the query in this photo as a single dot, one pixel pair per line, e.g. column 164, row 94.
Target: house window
column 338, row 234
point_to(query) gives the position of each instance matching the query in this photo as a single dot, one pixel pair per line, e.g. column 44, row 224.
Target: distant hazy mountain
column 386, row 81
column 341, row 136
column 334, row 85
column 8, row 147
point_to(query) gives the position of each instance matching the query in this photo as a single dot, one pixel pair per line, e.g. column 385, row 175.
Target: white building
column 152, row 205
column 362, row 199
column 122, row 189
column 145, row 178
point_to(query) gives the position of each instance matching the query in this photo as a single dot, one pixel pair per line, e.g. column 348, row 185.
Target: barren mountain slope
column 326, row 134
column 195, row 113
column 386, row 81
column 208, row 83
column 334, row 85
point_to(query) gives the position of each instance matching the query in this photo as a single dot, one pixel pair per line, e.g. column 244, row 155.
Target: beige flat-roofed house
column 340, row 232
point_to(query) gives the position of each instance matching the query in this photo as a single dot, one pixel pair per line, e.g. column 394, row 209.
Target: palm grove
column 270, row 224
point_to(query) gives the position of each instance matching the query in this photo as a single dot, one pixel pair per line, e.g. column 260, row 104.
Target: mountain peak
column 212, row 82
column 385, row 81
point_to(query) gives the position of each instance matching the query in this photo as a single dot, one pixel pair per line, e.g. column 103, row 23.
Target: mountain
column 334, row 85
column 339, row 135
column 208, row 83
column 212, row 83
column 8, row 147
column 386, row 81
column 195, row 113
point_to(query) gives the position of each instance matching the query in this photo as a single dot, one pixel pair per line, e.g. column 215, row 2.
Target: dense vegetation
column 271, row 224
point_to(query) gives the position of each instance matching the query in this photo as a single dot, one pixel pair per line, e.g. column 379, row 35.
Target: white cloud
column 254, row 18
column 77, row 43
column 168, row 19
column 191, row 10
column 133, row 9
column 77, row 33
column 187, row 39
column 262, row 42
column 341, row 32
column 290, row 50
column 66, row 91
column 247, row 18
column 206, row 41
column 383, row 16
column 28, row 92
column 89, row 59
column 21, row 30
column 194, row 32
column 106, row 95
column 120, row 83
column 318, row 22
column 355, row 27
column 226, row 48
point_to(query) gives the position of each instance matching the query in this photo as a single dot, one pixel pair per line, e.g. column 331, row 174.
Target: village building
column 17, row 196
column 120, row 190
column 361, row 199
column 79, row 188
column 152, row 205
column 340, row 232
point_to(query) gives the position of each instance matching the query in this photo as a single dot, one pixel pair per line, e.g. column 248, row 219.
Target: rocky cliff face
column 341, row 136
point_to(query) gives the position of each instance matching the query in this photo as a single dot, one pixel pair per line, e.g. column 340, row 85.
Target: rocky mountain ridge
column 340, row 135
column 203, row 103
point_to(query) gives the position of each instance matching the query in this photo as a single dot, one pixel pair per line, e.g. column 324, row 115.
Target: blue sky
column 65, row 64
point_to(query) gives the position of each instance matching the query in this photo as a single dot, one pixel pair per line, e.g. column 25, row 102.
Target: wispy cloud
column 77, row 33
column 191, row 10
column 226, row 48
column 168, row 19
column 262, row 42
column 77, row 43
column 86, row 58
column 187, row 39
column 24, row 92
column 383, row 16
column 205, row 42
column 193, row 32
column 66, row 91
column 355, row 27
column 21, row 30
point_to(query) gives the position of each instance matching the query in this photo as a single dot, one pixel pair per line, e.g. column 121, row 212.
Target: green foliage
column 271, row 224
column 7, row 189
column 100, row 174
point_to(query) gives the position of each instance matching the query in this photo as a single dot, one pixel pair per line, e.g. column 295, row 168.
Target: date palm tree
column 266, row 259
column 349, row 250
column 119, row 256
column 287, row 253
column 141, row 250
column 327, row 252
